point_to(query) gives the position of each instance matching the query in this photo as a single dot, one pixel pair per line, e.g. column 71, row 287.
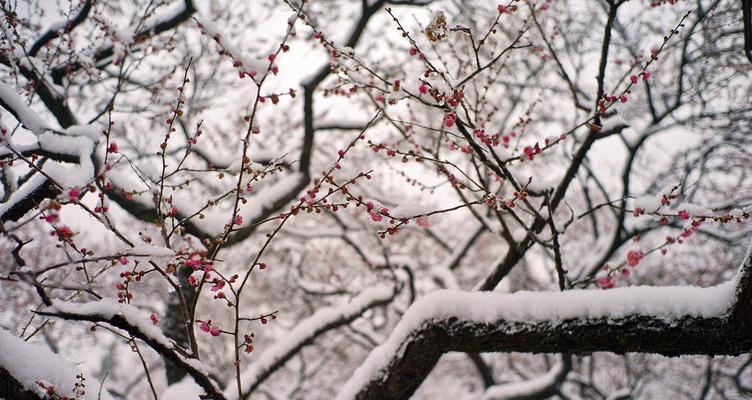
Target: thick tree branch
column 10, row 388
column 666, row 320
column 55, row 31
column 24, row 365
column 118, row 317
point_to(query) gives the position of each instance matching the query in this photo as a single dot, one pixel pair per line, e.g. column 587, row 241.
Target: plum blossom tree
column 380, row 199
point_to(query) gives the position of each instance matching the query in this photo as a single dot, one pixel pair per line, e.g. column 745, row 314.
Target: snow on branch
column 247, row 66
column 106, row 309
column 15, row 104
column 667, row 320
column 56, row 29
column 175, row 14
column 543, row 386
column 260, row 205
column 306, row 331
column 30, row 371
column 264, row 203
column 138, row 325
column 69, row 152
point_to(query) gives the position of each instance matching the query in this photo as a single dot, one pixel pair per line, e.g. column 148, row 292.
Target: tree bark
column 418, row 353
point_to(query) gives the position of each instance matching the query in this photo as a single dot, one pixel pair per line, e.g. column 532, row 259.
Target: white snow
column 524, row 389
column 108, row 308
column 306, row 330
column 25, row 190
column 68, row 175
column 148, row 250
column 216, row 217
column 613, row 122
column 93, row 132
column 249, row 63
column 620, row 394
column 80, row 144
column 488, row 307
column 444, row 277
column 29, row 363
column 694, row 209
column 648, row 203
column 409, row 210
column 183, row 390
column 25, row 114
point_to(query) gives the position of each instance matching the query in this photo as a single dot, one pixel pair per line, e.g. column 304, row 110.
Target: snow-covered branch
column 666, row 320
column 306, row 331
column 540, row 387
column 131, row 320
column 30, row 371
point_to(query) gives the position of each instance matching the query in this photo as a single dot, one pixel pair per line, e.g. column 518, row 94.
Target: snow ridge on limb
column 24, row 114
column 23, row 365
column 133, row 321
column 664, row 320
column 540, row 387
column 70, row 152
column 306, row 331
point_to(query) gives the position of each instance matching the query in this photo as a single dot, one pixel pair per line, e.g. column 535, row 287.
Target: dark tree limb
column 418, row 349
column 169, row 353
column 484, row 370
column 70, row 25
column 99, row 57
column 747, row 17
column 10, row 388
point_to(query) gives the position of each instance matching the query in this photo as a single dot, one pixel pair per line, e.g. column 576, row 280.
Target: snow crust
column 108, row 308
column 306, row 330
column 183, row 390
column 667, row 303
column 523, row 389
column 30, row 363
column 25, row 114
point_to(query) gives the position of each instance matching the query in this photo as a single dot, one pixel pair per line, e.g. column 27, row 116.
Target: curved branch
column 24, row 365
column 540, row 387
column 124, row 317
column 68, row 26
column 307, row 330
column 163, row 25
column 666, row 320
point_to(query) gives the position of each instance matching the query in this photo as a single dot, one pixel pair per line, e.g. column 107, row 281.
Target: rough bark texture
column 175, row 324
column 10, row 388
column 729, row 334
column 712, row 336
column 168, row 353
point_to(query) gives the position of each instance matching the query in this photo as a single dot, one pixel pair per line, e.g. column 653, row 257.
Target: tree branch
column 666, row 320
column 308, row 330
column 121, row 316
